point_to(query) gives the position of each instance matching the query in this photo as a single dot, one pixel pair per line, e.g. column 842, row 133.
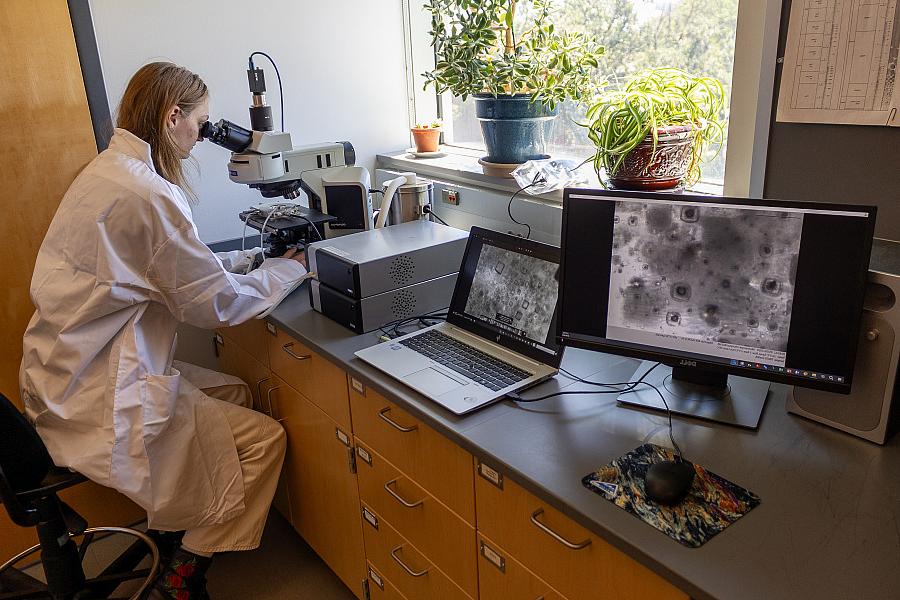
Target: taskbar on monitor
column 771, row 372
column 813, row 375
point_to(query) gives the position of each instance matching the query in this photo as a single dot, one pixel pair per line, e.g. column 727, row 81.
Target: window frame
column 752, row 91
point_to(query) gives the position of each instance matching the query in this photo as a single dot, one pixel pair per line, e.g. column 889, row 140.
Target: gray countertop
column 828, row 525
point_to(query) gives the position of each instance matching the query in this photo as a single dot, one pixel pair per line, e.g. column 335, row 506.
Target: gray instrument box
column 373, row 277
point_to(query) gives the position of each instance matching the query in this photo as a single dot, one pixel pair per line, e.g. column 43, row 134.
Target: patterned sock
column 185, row 576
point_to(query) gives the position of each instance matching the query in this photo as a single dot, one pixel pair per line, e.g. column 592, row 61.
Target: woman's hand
column 296, row 254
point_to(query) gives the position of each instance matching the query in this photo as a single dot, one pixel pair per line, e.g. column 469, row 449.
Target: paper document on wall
column 840, row 63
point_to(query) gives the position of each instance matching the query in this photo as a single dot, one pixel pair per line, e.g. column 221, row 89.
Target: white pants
column 260, row 443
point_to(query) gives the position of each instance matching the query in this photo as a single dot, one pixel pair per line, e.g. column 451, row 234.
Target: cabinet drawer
column 502, row 576
column 394, row 556
column 433, row 461
column 251, row 337
column 434, row 529
column 313, row 376
column 516, row 519
column 323, row 495
column 380, row 588
column 234, row 360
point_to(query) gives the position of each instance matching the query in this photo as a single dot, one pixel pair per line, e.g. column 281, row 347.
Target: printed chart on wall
column 840, row 63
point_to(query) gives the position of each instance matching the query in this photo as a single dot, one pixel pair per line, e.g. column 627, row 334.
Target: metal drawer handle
column 259, row 391
column 383, row 414
column 556, row 536
column 402, row 564
column 269, row 398
column 387, row 488
column 287, row 348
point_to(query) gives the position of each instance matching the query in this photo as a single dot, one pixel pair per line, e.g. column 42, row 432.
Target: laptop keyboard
column 482, row 368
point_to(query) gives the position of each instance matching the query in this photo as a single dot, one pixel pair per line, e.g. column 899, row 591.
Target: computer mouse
column 668, row 482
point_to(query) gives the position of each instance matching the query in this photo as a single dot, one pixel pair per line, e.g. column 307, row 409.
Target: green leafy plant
column 483, row 46
column 432, row 124
column 618, row 120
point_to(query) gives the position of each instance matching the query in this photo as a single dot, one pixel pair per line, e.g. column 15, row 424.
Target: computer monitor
column 728, row 294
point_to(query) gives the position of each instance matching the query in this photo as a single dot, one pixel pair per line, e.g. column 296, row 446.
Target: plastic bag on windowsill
column 541, row 176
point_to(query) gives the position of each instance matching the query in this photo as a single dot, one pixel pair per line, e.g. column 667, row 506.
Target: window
column 695, row 35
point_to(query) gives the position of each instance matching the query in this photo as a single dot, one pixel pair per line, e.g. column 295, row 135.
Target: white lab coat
column 120, row 266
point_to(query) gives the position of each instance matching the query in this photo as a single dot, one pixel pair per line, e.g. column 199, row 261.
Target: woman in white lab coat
column 121, row 265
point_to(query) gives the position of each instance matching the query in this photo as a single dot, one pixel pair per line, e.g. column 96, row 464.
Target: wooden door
column 47, row 138
column 324, row 496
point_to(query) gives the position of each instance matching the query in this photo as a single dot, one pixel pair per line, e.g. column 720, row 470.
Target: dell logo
column 688, row 363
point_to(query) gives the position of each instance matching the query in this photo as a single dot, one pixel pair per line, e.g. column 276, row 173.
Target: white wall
column 342, row 63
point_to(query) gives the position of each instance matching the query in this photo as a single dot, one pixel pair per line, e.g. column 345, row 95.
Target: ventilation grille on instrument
column 402, row 269
column 404, row 304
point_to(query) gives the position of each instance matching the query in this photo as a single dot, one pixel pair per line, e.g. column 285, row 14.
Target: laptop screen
column 507, row 293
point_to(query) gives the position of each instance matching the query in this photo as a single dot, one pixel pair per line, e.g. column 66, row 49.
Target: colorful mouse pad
column 712, row 504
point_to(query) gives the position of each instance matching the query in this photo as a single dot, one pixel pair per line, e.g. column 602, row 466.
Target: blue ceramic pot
column 514, row 128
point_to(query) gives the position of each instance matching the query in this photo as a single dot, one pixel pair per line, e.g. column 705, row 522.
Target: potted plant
column 426, row 135
column 650, row 133
column 516, row 65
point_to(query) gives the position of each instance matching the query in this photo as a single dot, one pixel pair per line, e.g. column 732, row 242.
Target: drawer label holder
column 376, row 578
column 358, row 385
column 271, row 328
column 493, row 557
column 370, row 517
column 492, row 475
column 364, row 454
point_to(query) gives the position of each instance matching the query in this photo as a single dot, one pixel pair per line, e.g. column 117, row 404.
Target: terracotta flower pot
column 426, row 138
column 642, row 170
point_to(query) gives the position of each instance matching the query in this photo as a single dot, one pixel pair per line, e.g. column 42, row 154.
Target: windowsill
column 460, row 165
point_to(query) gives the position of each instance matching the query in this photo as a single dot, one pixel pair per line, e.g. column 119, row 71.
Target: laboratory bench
column 403, row 499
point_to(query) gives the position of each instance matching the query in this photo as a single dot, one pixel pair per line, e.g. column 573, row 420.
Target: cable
column 430, row 211
column 433, row 315
column 630, row 386
column 509, row 208
column 318, row 235
column 277, row 74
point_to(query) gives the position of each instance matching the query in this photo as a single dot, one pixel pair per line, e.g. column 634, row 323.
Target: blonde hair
column 145, row 107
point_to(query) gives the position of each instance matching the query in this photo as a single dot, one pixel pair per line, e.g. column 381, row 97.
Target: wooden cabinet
column 324, row 501
column 394, row 556
column 317, row 378
column 564, row 554
column 502, row 576
column 439, row 465
column 235, row 360
column 434, row 529
column 251, row 337
column 381, row 588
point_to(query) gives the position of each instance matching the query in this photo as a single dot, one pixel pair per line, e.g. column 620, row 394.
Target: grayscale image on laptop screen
column 514, row 292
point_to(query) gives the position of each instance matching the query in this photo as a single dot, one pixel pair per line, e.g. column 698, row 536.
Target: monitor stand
column 700, row 393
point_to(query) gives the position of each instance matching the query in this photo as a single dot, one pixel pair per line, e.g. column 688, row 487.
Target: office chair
column 29, row 483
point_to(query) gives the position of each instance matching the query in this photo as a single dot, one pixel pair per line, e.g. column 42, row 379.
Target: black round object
column 261, row 118
column 669, row 481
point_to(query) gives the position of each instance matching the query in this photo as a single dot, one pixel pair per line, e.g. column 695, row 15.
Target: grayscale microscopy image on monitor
column 704, row 273
column 515, row 292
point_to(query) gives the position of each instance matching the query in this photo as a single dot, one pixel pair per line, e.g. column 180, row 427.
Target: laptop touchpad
column 431, row 381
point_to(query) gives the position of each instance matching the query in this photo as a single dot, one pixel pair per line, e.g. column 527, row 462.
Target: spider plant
column 620, row 119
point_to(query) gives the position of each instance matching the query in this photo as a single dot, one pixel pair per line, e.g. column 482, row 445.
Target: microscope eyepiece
column 227, row 134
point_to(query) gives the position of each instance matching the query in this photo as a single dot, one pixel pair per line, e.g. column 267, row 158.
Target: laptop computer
column 500, row 333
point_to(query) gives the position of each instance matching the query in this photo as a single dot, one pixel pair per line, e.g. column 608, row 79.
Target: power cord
column 538, row 179
column 277, row 74
column 391, row 329
column 430, row 211
column 629, row 386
